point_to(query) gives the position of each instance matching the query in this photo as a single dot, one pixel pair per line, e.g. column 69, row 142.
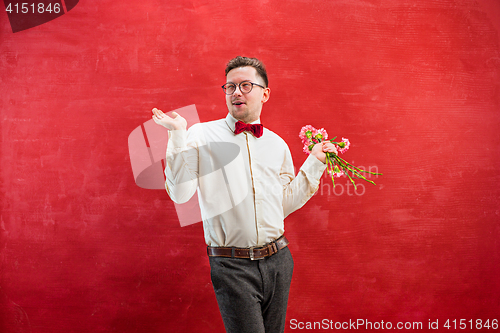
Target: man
column 243, row 200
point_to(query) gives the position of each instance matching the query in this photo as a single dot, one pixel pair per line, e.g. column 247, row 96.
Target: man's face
column 246, row 107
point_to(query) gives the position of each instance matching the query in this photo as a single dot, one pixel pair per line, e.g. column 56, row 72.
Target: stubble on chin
column 240, row 114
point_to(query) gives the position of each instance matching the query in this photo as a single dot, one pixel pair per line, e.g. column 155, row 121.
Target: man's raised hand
column 175, row 123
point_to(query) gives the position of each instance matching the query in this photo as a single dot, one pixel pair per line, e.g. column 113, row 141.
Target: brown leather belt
column 253, row 253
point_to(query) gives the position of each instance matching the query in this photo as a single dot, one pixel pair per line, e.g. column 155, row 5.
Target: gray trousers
column 253, row 295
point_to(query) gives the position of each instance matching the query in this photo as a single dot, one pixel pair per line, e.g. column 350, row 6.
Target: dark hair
column 240, row 61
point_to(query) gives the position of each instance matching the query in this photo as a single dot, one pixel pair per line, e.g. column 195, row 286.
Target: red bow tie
column 255, row 129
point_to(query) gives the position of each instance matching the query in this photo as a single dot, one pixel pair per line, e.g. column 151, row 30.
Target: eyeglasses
column 245, row 87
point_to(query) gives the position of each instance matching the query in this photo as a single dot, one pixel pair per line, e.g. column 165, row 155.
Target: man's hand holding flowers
column 316, row 143
column 319, row 150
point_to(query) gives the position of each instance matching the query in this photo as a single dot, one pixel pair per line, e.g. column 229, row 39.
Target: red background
column 414, row 85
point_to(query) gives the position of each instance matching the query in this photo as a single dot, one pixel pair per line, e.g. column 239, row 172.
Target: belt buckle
column 252, row 256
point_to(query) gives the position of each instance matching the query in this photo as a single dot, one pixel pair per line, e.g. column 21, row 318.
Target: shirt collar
column 231, row 121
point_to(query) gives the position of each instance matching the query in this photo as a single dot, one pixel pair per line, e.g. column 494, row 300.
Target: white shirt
column 246, row 185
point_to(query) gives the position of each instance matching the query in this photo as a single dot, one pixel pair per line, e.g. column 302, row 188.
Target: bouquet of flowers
column 336, row 165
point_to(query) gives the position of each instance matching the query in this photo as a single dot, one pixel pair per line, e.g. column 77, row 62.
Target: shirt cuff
column 177, row 138
column 313, row 167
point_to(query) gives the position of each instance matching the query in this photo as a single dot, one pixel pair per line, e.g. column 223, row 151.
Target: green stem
column 333, row 159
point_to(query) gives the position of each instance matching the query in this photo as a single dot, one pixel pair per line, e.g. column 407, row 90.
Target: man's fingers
column 158, row 112
column 174, row 122
column 329, row 147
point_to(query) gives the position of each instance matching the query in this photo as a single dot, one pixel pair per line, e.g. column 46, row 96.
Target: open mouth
column 237, row 103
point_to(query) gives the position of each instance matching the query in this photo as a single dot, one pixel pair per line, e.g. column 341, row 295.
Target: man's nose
column 237, row 91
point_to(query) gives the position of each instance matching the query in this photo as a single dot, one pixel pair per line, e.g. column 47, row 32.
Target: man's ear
column 265, row 96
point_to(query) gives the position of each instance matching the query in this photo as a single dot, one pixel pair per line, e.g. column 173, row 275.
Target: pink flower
column 320, row 134
column 306, row 149
column 335, row 174
column 306, row 134
column 344, row 145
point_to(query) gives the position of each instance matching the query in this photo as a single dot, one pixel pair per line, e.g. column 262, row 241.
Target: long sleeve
column 299, row 189
column 181, row 169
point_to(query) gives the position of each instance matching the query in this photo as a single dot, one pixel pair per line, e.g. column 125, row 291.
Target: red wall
column 414, row 85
